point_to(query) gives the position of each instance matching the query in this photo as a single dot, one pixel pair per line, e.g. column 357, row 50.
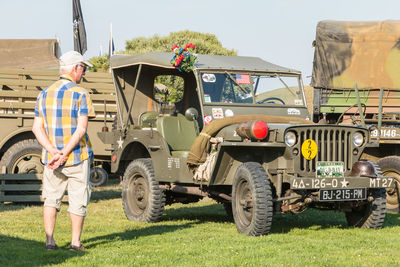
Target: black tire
column 252, row 203
column 98, row 176
column 390, row 166
column 142, row 198
column 23, row 157
column 370, row 215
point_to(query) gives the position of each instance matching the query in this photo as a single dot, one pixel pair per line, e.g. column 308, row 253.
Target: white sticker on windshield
column 293, row 111
column 207, row 98
column 298, row 102
column 217, row 113
column 228, row 113
column 208, row 78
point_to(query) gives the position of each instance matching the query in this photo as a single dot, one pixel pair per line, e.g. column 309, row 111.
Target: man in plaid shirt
column 61, row 118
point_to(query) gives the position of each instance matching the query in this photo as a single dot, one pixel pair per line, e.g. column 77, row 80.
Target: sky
column 279, row 31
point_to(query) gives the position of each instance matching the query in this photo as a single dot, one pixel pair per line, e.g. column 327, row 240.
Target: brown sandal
column 52, row 247
column 76, row 248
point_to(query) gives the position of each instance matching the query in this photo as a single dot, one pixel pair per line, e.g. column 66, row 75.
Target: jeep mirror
column 191, row 114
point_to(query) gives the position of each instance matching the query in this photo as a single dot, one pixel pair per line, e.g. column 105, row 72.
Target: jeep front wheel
column 252, row 204
column 369, row 215
column 390, row 166
column 142, row 198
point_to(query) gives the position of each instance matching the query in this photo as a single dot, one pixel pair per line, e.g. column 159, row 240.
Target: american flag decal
column 243, row 78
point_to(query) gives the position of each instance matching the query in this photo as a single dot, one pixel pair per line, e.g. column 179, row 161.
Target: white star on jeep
column 344, row 183
column 120, row 142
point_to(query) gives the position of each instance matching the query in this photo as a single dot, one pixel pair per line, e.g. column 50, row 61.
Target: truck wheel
column 98, row 176
column 252, row 204
column 23, row 157
column 390, row 166
column 370, row 215
column 142, row 199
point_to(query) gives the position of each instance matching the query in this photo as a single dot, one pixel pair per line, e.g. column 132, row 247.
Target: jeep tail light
column 114, row 158
column 253, row 130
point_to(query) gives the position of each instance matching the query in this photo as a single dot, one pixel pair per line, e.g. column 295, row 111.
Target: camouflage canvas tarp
column 29, row 53
column 362, row 53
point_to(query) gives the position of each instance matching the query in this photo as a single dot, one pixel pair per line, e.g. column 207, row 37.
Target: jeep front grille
column 334, row 144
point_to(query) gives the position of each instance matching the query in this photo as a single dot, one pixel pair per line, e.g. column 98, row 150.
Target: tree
column 206, row 43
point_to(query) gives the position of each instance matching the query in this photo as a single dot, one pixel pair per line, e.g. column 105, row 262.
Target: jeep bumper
column 341, row 183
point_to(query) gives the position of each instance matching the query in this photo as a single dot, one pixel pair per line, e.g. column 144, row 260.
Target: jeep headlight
column 358, row 139
column 290, row 139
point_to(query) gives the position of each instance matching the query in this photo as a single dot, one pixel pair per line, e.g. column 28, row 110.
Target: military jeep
column 239, row 133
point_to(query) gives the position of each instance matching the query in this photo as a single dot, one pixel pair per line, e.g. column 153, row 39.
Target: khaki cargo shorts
column 76, row 177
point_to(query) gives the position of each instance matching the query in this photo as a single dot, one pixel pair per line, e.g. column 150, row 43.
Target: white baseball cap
column 73, row 58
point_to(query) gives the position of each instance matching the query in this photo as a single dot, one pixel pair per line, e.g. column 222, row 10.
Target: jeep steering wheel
column 271, row 100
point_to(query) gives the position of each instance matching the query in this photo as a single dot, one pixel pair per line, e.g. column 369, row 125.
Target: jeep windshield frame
column 251, row 88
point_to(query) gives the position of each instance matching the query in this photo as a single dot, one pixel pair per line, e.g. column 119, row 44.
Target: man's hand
column 54, row 163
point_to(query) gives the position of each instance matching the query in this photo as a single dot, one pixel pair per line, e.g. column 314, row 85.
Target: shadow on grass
column 392, row 219
column 209, row 213
column 17, row 206
column 315, row 219
column 105, row 195
column 22, row 252
column 155, row 229
column 282, row 223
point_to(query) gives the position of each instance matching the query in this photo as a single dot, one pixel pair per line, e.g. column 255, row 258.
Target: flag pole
column 110, row 48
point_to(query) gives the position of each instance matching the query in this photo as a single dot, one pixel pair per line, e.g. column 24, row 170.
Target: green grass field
column 194, row 235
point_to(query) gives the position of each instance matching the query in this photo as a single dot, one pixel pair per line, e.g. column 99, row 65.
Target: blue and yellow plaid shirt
column 59, row 106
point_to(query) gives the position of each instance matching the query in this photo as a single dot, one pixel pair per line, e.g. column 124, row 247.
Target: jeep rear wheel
column 390, row 166
column 252, row 204
column 23, row 157
column 371, row 214
column 142, row 198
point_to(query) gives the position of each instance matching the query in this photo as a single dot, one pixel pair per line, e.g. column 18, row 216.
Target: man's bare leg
column 49, row 219
column 77, row 224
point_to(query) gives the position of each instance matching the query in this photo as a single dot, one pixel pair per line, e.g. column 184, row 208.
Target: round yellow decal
column 309, row 149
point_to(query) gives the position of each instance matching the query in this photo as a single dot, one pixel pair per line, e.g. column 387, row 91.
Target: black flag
column 80, row 44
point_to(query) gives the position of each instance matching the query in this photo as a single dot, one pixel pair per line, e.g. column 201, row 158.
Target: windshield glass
column 270, row 89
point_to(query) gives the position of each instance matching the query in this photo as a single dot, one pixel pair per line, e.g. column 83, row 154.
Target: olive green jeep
column 238, row 131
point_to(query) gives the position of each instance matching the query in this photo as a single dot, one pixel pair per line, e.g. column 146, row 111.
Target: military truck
column 20, row 152
column 27, row 66
column 240, row 134
column 355, row 80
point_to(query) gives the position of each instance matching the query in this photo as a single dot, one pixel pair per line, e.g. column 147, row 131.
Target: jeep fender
column 230, row 157
column 137, row 144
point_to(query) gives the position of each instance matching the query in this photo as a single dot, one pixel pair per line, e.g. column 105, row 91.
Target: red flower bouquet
column 184, row 59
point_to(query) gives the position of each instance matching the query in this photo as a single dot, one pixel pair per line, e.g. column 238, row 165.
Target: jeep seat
column 147, row 119
column 178, row 132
